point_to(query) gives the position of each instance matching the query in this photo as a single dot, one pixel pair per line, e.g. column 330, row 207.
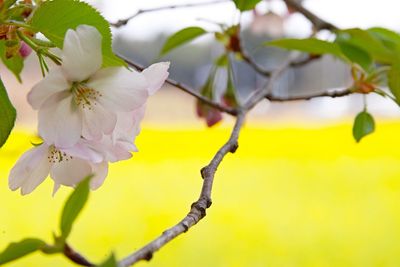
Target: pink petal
column 53, row 83
column 85, row 150
column 121, row 89
column 70, row 172
column 60, row 122
column 30, row 170
column 82, row 54
column 156, row 75
column 97, row 121
column 100, row 173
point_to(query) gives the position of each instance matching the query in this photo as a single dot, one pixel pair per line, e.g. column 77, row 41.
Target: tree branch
column 185, row 88
column 332, row 94
column 198, row 208
column 76, row 257
column 319, row 24
column 123, row 22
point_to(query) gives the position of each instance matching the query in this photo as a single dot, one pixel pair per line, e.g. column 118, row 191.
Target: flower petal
column 82, row 54
column 53, row 83
column 128, row 125
column 60, row 122
column 156, row 75
column 100, row 173
column 30, row 170
column 85, row 150
column 97, row 121
column 121, row 89
column 70, row 172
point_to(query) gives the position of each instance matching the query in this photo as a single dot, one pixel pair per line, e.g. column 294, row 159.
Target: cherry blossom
column 79, row 98
column 88, row 115
column 37, row 163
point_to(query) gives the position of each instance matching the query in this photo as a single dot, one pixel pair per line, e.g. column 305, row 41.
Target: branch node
column 204, row 172
column 148, row 256
column 234, row 148
column 197, row 206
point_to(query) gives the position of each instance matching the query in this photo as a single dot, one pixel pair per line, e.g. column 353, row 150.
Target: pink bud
column 213, row 117
column 24, row 50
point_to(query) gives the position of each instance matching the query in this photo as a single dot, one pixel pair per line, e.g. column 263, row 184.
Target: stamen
column 56, row 156
column 85, row 97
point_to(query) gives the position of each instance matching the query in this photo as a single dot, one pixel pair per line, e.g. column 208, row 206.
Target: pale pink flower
column 79, row 99
column 36, row 164
column 120, row 143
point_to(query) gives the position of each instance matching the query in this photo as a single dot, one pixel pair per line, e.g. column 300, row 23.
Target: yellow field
column 288, row 197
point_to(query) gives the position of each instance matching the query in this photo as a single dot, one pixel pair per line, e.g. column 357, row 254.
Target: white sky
column 344, row 13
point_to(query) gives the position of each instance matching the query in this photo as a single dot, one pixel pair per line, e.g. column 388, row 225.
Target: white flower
column 78, row 99
column 36, row 164
column 120, row 143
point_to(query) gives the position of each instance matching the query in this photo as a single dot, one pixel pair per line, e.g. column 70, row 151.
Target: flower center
column 84, row 96
column 56, row 155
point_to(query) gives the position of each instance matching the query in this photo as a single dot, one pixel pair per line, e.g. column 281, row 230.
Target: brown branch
column 185, row 88
column 261, row 94
column 76, row 257
column 123, row 22
column 310, row 58
column 319, row 24
column 198, row 208
column 332, row 94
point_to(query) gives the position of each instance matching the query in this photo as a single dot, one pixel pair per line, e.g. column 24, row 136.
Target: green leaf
column 110, row 262
column 19, row 249
column 181, row 37
column 394, row 81
column 8, row 115
column 54, row 18
column 310, row 45
column 73, row 207
column 363, row 125
column 244, row 5
column 389, row 38
column 367, row 42
column 356, row 55
column 15, row 64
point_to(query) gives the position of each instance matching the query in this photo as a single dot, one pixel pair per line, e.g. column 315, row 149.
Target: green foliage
column 54, row 18
column 356, row 55
column 15, row 63
column 20, row 249
column 110, row 262
column 389, row 38
column 8, row 115
column 73, row 207
column 367, row 42
column 363, row 125
column 244, row 5
column 181, row 37
column 394, row 81
column 310, row 45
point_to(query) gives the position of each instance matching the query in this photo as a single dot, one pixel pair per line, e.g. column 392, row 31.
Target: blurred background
column 298, row 192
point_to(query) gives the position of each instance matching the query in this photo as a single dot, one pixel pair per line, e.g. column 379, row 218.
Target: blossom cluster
column 88, row 115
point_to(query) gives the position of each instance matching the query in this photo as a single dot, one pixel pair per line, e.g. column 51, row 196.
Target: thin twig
column 319, row 24
column 259, row 95
column 333, row 94
column 246, row 57
column 123, row 22
column 76, row 257
column 185, row 88
column 198, row 208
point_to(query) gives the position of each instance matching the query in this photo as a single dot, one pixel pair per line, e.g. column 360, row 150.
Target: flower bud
column 24, row 50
